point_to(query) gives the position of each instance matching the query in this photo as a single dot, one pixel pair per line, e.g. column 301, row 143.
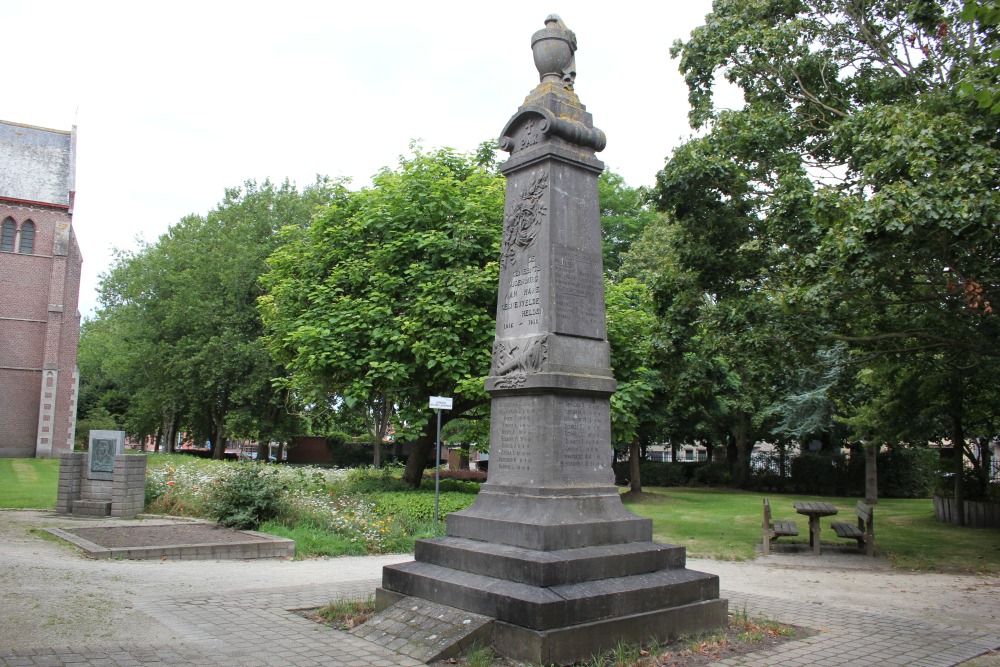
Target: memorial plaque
column 576, row 277
column 102, row 456
column 103, row 447
column 584, row 428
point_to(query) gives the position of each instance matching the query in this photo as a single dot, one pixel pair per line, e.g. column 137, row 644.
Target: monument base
column 549, row 519
column 579, row 643
column 564, row 605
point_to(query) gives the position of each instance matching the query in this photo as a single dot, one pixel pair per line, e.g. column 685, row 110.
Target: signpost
column 438, row 403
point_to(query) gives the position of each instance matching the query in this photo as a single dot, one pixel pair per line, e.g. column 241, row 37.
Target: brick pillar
column 70, row 477
column 128, row 486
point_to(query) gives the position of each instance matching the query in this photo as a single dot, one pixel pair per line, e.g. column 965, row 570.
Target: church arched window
column 27, row 244
column 7, row 235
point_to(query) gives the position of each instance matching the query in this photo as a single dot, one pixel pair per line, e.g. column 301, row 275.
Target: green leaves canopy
column 180, row 315
column 856, row 190
column 392, row 290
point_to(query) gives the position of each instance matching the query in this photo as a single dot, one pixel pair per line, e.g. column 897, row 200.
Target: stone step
column 426, row 631
column 549, row 568
column 552, row 607
column 92, row 507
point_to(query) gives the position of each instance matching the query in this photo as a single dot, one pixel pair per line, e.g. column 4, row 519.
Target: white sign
column 440, row 403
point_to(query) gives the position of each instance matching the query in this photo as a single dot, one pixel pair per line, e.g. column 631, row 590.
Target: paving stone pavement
column 258, row 628
column 849, row 637
column 252, row 628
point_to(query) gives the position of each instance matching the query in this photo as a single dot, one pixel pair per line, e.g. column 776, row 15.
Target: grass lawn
column 714, row 523
column 30, row 483
column 719, row 523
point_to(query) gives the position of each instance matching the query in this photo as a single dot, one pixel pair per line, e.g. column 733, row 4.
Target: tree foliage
column 389, row 296
column 852, row 198
column 177, row 342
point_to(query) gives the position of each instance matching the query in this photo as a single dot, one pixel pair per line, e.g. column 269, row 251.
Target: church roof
column 37, row 164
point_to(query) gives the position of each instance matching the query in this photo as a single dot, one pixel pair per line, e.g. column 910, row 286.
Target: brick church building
column 39, row 291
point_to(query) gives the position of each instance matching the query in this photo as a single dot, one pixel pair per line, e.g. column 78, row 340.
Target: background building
column 39, row 291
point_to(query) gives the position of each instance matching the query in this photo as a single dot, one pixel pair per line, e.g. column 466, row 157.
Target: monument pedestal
column 564, row 605
column 548, row 550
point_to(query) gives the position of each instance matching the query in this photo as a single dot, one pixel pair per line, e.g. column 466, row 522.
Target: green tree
column 860, row 171
column 181, row 317
column 633, row 335
column 981, row 82
column 625, row 212
column 389, row 296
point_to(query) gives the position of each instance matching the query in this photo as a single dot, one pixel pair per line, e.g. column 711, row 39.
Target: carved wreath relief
column 523, row 220
column 513, row 363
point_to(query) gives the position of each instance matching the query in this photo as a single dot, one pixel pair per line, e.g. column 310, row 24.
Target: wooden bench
column 863, row 532
column 775, row 529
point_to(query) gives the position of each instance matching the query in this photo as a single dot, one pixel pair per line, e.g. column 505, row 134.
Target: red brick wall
column 309, row 449
column 19, row 391
column 33, row 338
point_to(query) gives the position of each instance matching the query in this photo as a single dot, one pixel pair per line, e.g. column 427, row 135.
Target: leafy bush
column 451, row 485
column 656, row 473
column 98, row 419
column 249, row 496
column 907, row 472
column 712, row 473
column 944, row 485
column 314, row 540
column 466, row 474
column 419, row 505
column 370, row 479
column 820, row 474
column 346, row 453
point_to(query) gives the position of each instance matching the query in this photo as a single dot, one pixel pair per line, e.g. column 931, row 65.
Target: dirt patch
column 121, row 537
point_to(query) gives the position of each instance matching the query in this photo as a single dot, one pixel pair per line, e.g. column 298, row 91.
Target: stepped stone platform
column 560, row 605
column 159, row 538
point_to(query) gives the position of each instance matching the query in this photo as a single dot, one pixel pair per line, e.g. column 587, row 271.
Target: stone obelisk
column 548, row 550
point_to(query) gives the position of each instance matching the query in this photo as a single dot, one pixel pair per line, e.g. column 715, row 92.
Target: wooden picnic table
column 814, row 510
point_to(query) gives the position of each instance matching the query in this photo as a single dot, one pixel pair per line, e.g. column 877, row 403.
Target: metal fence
column 769, row 463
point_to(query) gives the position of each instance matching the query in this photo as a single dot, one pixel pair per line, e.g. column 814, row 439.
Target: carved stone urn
column 553, row 48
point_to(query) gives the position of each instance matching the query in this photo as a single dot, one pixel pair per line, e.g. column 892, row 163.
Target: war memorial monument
column 547, row 550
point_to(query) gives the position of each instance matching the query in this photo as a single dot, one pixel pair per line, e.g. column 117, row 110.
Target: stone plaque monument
column 104, row 481
column 548, row 550
column 104, row 446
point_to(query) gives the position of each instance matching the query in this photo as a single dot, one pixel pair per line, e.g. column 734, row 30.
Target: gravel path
column 51, row 596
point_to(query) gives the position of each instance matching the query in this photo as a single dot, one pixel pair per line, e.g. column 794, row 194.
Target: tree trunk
column 378, row 409
column 170, row 436
column 635, row 484
column 741, row 434
column 871, row 471
column 958, row 459
column 985, row 463
column 421, row 449
column 218, row 439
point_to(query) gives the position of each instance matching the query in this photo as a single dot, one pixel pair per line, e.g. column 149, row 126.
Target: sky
column 174, row 102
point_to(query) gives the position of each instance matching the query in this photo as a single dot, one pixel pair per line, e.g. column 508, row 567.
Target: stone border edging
column 257, row 545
